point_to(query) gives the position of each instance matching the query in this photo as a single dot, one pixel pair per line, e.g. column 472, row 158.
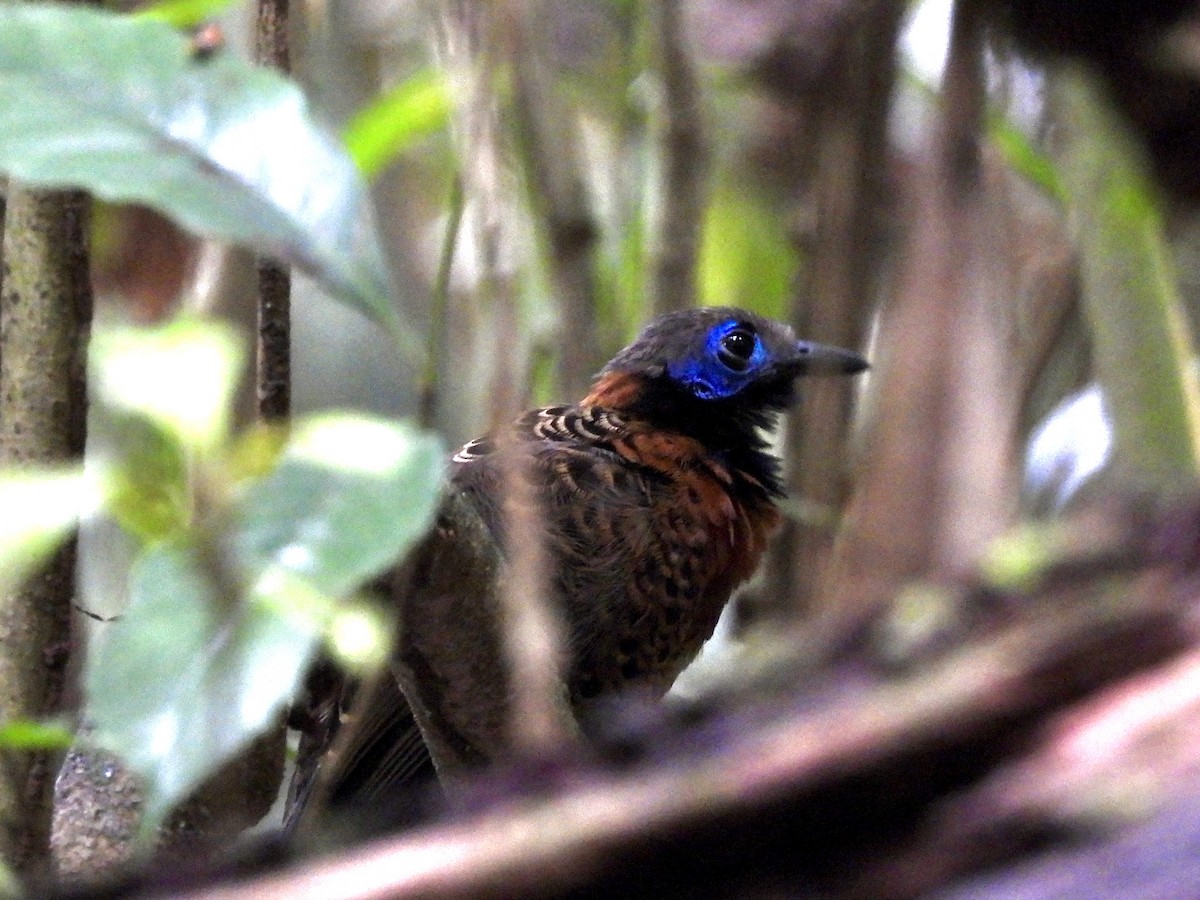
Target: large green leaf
column 219, row 632
column 350, row 493
column 188, row 677
column 120, row 106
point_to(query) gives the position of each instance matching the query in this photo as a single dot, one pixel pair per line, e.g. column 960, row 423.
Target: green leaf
column 189, row 677
column 163, row 396
column 396, row 120
column 24, row 734
column 183, row 13
column 1141, row 342
column 41, row 508
column 119, row 106
column 191, row 673
column 349, row 495
column 147, row 475
column 179, row 376
column 1024, row 158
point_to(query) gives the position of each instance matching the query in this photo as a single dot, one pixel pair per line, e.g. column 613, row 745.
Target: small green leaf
column 256, row 450
column 189, row 677
column 147, row 476
column 349, row 495
column 183, row 13
column 121, row 107
column 41, row 508
column 191, row 674
column 180, row 376
column 415, row 109
column 1025, row 159
column 24, row 734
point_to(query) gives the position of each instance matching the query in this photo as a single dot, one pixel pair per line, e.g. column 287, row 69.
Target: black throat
column 732, row 429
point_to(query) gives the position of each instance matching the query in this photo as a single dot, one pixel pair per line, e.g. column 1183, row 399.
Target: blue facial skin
column 707, row 376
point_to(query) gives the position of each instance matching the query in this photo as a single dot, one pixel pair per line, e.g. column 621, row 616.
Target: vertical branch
column 965, row 98
column 937, row 480
column 979, row 487
column 440, row 309
column 274, row 363
column 852, row 161
column 241, row 793
column 529, row 628
column 478, row 38
column 546, row 142
column 273, row 346
column 682, row 154
column 45, row 312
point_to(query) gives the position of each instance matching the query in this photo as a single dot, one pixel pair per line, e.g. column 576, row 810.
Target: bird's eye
column 736, row 348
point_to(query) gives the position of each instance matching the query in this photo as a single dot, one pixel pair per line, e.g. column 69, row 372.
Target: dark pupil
column 736, row 349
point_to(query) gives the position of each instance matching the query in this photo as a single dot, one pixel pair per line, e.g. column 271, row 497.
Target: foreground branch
column 45, row 309
column 848, row 786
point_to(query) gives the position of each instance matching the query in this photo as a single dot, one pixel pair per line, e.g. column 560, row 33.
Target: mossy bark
column 45, row 310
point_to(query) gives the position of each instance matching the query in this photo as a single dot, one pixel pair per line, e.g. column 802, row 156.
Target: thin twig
column 528, row 627
column 546, row 147
column 273, row 355
column 682, row 152
column 274, row 341
column 439, row 308
column 965, row 99
column 530, row 630
column 258, row 771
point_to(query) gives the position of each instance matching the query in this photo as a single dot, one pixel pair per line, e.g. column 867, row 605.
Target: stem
column 439, row 306
column 674, row 233
column 45, row 313
column 273, row 354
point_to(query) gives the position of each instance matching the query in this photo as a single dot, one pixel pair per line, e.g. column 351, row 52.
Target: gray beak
column 822, row 359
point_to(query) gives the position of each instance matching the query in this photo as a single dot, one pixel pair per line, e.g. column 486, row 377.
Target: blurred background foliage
column 481, row 203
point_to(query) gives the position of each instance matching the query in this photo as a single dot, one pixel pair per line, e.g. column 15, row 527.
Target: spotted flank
column 552, row 423
column 476, row 449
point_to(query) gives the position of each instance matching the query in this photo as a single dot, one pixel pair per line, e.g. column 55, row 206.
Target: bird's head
column 721, row 360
